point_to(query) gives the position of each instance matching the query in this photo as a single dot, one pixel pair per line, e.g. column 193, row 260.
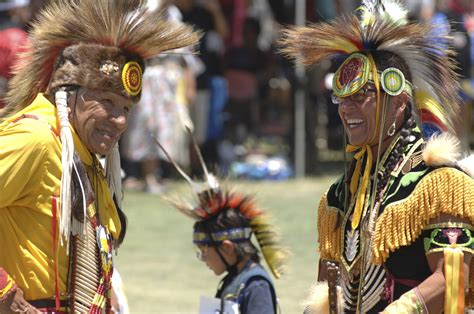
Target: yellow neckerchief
column 360, row 195
column 106, row 206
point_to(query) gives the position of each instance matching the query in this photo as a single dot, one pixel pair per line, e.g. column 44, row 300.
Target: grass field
column 157, row 260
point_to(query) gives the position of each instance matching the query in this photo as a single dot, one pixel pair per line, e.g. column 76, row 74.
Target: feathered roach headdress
column 92, row 43
column 382, row 27
column 212, row 201
column 98, row 44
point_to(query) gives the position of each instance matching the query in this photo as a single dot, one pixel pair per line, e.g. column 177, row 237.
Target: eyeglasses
column 201, row 253
column 359, row 97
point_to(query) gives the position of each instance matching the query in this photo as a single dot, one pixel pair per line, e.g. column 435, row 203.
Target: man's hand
column 16, row 303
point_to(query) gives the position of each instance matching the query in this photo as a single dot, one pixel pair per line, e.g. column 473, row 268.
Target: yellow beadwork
column 445, row 190
column 328, row 231
column 132, row 78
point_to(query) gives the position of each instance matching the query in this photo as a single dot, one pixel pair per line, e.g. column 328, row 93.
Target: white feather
column 318, row 299
column 442, row 150
column 395, row 12
column 67, row 161
column 391, row 11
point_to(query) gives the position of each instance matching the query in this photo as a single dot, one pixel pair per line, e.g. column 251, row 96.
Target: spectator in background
column 245, row 71
column 161, row 114
column 207, row 15
column 235, row 12
column 13, row 17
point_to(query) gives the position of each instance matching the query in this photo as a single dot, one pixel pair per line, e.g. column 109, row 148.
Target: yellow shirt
column 30, row 177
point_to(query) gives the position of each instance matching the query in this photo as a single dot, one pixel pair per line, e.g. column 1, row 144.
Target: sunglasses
column 359, row 97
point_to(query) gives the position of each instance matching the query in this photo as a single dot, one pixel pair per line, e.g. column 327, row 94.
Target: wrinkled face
column 99, row 118
column 209, row 255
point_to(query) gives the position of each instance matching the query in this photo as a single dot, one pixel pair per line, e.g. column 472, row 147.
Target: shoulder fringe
column 401, row 223
column 318, row 299
column 442, row 150
column 328, row 231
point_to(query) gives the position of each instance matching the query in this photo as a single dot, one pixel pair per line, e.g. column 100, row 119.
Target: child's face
column 209, row 255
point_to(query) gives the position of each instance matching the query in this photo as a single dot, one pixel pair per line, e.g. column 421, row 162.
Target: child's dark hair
column 228, row 219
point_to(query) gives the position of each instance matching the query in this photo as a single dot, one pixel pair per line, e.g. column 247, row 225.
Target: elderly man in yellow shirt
column 60, row 215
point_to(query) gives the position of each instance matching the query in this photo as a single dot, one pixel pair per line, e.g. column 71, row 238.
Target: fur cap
column 96, row 67
column 93, row 43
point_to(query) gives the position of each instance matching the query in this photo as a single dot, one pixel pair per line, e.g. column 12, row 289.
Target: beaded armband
column 7, row 285
column 450, row 235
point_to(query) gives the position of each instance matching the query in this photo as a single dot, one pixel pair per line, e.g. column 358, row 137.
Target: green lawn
column 157, row 260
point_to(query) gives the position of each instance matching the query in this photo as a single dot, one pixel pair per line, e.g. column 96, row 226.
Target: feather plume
column 431, row 64
column 125, row 24
column 316, row 42
column 183, row 206
column 442, row 150
column 268, row 239
column 389, row 10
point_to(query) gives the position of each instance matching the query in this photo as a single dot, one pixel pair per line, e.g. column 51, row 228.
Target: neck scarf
column 356, row 192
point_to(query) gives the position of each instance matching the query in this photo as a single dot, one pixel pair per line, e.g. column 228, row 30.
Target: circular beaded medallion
column 132, row 78
column 393, row 81
column 352, row 75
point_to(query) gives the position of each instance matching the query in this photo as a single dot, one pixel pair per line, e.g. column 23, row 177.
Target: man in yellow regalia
column 60, row 213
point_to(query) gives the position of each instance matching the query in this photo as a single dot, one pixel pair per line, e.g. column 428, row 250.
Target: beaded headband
column 356, row 71
column 235, row 235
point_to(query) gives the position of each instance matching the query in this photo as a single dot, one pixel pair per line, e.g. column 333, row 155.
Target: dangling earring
column 391, row 130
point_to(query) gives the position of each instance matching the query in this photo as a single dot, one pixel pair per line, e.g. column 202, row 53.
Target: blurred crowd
column 236, row 96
